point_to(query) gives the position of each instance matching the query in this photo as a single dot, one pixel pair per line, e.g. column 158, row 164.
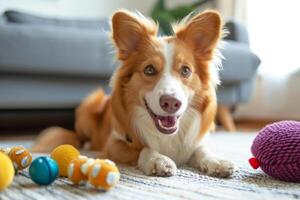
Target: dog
column 163, row 100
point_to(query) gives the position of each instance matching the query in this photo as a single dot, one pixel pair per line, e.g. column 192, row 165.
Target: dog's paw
column 159, row 166
column 217, row 167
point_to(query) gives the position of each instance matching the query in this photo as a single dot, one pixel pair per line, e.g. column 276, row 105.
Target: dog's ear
column 202, row 33
column 130, row 31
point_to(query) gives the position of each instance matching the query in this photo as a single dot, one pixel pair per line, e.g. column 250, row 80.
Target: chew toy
column 63, row 155
column 5, row 150
column 20, row 157
column 43, row 170
column 276, row 150
column 7, row 171
column 66, row 160
column 103, row 174
column 78, row 168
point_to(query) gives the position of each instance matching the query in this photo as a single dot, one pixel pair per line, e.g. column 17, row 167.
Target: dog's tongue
column 168, row 121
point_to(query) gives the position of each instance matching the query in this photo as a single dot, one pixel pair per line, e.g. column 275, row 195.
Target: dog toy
column 5, row 150
column 43, row 170
column 63, row 155
column 20, row 157
column 78, row 168
column 103, row 174
column 276, row 150
column 7, row 171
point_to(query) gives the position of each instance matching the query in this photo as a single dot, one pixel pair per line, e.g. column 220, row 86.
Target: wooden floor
column 247, row 125
column 252, row 125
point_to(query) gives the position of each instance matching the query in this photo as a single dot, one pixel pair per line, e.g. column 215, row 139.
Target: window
column 274, row 29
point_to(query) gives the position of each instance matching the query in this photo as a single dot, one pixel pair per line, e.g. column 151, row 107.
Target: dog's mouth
column 165, row 124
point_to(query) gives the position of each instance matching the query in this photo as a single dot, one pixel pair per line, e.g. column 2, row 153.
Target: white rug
column 187, row 184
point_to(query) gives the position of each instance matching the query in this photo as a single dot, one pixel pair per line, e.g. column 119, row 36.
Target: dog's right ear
column 131, row 32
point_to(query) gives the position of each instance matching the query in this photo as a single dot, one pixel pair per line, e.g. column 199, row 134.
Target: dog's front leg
column 210, row 163
column 156, row 164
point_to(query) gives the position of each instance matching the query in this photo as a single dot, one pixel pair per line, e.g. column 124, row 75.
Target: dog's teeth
column 167, row 128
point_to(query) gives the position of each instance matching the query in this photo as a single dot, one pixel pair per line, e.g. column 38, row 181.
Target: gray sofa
column 53, row 63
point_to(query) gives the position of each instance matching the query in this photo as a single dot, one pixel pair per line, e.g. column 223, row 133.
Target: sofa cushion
column 239, row 63
column 43, row 92
column 3, row 19
column 22, row 17
column 47, row 50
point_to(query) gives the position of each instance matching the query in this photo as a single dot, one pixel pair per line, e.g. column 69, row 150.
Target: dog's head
column 162, row 77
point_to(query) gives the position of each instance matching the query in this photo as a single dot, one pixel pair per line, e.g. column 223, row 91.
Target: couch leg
column 225, row 118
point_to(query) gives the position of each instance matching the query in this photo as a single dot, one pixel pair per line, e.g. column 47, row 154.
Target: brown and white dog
column 163, row 99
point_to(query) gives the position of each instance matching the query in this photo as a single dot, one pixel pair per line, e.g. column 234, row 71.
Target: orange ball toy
column 20, row 157
column 77, row 170
column 103, row 174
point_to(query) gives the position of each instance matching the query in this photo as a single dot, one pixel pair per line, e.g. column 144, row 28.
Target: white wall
column 274, row 36
column 81, row 8
column 275, row 98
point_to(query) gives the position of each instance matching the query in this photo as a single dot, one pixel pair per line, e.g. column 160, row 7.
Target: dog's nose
column 169, row 103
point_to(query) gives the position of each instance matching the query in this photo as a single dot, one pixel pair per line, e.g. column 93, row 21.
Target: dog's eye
column 185, row 71
column 150, row 70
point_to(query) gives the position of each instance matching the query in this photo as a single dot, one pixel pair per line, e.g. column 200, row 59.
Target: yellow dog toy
column 63, row 155
column 20, row 157
column 100, row 173
column 7, row 171
column 12, row 160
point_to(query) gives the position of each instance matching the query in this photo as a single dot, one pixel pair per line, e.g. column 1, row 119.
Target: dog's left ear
column 202, row 33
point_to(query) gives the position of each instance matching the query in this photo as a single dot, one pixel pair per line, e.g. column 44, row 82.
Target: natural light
column 274, row 29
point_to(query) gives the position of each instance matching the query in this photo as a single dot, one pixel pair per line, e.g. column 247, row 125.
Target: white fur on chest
column 180, row 146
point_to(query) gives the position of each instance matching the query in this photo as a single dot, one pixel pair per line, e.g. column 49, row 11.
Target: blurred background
column 54, row 52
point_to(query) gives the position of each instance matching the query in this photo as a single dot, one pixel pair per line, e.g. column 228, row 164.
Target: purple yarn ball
column 277, row 148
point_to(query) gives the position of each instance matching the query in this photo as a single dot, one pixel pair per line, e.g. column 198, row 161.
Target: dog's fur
column 121, row 127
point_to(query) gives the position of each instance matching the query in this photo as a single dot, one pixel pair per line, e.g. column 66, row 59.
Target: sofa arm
column 237, row 32
column 240, row 63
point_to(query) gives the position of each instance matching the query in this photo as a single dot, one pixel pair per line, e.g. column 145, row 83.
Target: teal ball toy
column 43, row 170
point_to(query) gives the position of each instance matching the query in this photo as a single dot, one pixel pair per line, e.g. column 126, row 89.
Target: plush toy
column 43, row 170
column 103, row 174
column 20, row 157
column 6, row 171
column 276, row 150
column 63, row 155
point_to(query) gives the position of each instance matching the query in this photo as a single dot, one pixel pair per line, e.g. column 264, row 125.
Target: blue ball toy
column 43, row 170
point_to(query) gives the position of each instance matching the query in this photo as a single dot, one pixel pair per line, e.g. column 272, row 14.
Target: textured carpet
column 187, row 184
